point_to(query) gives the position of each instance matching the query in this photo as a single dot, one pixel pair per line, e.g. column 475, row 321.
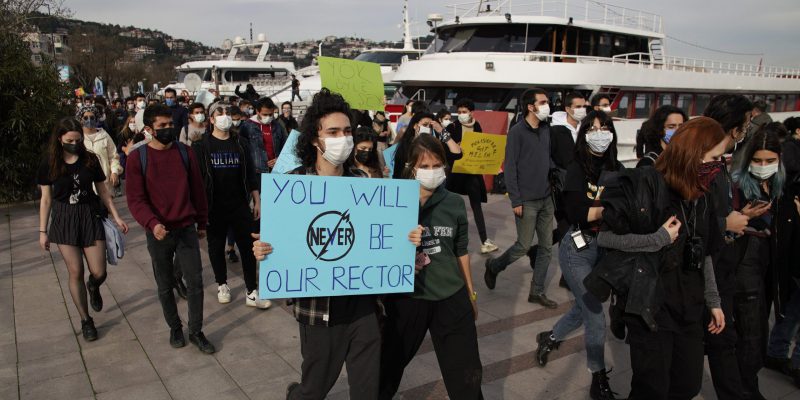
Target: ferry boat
column 492, row 51
column 388, row 58
column 246, row 63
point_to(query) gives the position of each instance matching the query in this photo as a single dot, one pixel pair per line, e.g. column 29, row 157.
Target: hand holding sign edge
column 260, row 249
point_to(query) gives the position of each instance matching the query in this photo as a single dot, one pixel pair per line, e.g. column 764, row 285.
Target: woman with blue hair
column 759, row 177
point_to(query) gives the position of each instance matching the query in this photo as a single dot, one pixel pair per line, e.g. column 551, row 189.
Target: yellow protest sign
column 359, row 82
column 483, row 154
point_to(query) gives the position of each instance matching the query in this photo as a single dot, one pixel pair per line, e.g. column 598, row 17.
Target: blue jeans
column 537, row 217
column 780, row 340
column 588, row 310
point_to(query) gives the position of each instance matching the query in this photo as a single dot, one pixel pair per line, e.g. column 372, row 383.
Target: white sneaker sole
column 263, row 306
column 223, row 301
column 487, row 251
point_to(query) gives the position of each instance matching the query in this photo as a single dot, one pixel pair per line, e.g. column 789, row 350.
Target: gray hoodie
column 528, row 163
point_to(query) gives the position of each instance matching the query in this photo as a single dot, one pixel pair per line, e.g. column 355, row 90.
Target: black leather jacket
column 634, row 203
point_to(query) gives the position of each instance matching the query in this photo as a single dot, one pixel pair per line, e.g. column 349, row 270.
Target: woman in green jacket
column 443, row 301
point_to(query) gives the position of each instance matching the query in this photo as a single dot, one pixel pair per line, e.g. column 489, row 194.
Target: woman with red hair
column 661, row 271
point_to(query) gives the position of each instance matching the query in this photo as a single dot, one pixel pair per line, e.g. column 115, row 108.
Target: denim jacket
column 251, row 133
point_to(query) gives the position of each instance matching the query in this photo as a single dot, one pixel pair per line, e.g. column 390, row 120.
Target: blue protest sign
column 287, row 160
column 388, row 157
column 335, row 236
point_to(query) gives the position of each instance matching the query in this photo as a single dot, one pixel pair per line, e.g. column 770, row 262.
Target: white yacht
column 491, row 51
column 246, row 63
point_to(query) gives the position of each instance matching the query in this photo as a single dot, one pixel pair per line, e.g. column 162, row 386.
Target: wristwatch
column 473, row 296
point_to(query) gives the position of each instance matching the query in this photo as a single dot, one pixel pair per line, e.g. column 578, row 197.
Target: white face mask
column 424, row 129
column 764, row 172
column 237, row 122
column 130, row 107
column 543, row 113
column 446, row 123
column 430, row 178
column 599, row 141
column 223, row 122
column 199, row 118
column 132, row 127
column 141, row 105
column 579, row 114
column 338, row 149
column 265, row 120
column 464, row 118
column 606, row 109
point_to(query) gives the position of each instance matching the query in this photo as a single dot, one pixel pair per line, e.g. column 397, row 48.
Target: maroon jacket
column 169, row 196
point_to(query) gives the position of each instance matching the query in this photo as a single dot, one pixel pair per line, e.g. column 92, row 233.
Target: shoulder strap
column 184, row 156
column 143, row 159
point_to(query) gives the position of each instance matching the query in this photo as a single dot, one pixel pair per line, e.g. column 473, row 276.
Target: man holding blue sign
column 341, row 329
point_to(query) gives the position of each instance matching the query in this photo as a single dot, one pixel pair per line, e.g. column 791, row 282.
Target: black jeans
column 239, row 220
column 474, row 195
column 750, row 311
column 666, row 364
column 326, row 349
column 721, row 351
column 183, row 244
column 455, row 340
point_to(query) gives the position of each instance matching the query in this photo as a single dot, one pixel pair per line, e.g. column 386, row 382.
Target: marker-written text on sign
column 359, row 82
column 336, row 236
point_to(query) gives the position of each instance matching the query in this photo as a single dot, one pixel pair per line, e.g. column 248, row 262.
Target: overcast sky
column 771, row 27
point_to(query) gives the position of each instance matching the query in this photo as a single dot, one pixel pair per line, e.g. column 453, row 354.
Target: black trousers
column 183, row 244
column 721, row 351
column 325, row 349
column 750, row 311
column 455, row 340
column 667, row 364
column 474, row 195
column 240, row 220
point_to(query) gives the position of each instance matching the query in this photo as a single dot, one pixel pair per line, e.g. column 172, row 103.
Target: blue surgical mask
column 169, row 102
column 668, row 135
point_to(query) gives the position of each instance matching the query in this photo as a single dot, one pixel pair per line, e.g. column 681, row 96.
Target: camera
column 694, row 254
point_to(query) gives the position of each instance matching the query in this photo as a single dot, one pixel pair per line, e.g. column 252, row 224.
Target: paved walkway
column 43, row 356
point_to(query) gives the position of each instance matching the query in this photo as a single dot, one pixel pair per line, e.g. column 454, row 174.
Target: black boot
column 489, row 277
column 600, row 390
column 93, row 287
column 546, row 345
column 88, row 330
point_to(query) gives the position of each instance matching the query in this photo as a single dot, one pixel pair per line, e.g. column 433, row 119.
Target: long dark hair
column 419, row 146
column 404, row 146
column 767, row 138
column 366, row 134
column 582, row 154
column 324, row 102
column 653, row 128
column 55, row 151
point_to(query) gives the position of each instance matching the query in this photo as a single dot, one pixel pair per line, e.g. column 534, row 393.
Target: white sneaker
column 488, row 246
column 224, row 294
column 251, row 300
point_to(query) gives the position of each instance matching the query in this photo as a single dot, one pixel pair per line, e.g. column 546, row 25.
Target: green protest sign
column 359, row 82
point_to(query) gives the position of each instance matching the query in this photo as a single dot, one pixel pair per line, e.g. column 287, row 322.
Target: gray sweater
column 528, row 163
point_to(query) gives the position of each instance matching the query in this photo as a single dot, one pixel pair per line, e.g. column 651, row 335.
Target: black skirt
column 75, row 225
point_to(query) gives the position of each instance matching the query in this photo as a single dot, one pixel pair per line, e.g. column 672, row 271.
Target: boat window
column 779, row 103
column 247, row 76
column 624, row 104
column 644, row 102
column 505, row 38
column 665, row 99
column 701, row 103
column 684, row 102
column 385, row 57
column 791, row 102
column 770, row 103
column 604, row 45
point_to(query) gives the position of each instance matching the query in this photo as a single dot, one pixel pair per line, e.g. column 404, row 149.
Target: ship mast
column 407, row 43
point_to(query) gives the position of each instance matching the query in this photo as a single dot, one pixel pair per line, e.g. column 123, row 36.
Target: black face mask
column 71, row 148
column 363, row 156
column 165, row 135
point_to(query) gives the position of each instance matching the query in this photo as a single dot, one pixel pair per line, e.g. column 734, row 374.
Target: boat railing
column 644, row 60
column 578, row 10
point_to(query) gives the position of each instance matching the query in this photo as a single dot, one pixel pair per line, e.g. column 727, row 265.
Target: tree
column 32, row 102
